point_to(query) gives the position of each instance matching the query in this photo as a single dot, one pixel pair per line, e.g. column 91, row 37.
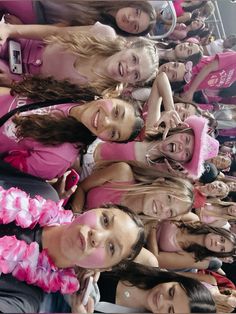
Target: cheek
column 88, row 218
column 94, row 260
column 105, row 136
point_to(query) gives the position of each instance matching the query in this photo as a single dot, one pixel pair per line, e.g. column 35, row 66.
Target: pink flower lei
column 24, row 261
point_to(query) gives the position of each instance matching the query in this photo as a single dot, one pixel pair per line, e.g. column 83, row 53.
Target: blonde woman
column 103, row 62
column 146, row 192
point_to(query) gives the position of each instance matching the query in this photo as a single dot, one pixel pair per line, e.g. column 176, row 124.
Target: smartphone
column 15, row 59
column 71, row 180
column 87, row 290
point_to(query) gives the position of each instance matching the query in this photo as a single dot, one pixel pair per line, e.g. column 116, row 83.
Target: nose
column 106, row 122
column 130, row 68
column 96, row 238
column 131, row 18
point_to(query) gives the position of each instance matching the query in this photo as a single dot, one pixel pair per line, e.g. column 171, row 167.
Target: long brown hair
column 81, row 12
column 54, row 129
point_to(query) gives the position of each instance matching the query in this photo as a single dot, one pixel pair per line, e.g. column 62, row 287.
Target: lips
column 121, row 69
column 95, row 120
column 82, row 241
column 154, row 207
column 156, row 299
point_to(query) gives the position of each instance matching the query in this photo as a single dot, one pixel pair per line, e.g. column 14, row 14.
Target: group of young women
column 96, row 98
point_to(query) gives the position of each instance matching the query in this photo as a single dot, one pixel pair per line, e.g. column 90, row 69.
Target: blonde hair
column 86, row 46
column 147, row 181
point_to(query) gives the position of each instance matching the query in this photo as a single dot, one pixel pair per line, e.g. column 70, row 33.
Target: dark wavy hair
column 201, row 252
column 146, row 277
column 56, row 129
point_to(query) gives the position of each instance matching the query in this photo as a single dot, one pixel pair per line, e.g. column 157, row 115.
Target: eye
column 111, row 248
column 171, row 213
column 105, row 220
column 113, row 133
column 136, row 75
column 116, row 111
column 169, row 199
column 134, row 59
column 172, row 292
column 222, row 239
column 138, row 11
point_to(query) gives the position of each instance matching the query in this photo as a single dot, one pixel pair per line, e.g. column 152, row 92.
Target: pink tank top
column 114, row 151
column 104, row 194
column 166, row 237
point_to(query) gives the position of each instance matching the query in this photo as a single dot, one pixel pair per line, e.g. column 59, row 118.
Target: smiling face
column 132, row 20
column 178, row 147
column 185, row 110
column 109, row 119
column 174, row 70
column 94, row 239
column 131, row 65
column 164, row 205
column 168, row 298
column 185, row 50
column 221, row 162
column 215, row 189
column 217, row 243
column 197, row 24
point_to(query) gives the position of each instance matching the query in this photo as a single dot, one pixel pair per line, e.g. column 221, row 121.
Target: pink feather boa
column 24, row 261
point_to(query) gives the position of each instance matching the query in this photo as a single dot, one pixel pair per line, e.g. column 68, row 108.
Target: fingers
column 165, row 133
column 90, row 305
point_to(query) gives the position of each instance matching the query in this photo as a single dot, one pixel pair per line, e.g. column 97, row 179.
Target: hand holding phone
column 71, row 180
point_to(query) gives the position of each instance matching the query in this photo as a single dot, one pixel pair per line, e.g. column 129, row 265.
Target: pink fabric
column 227, row 132
column 178, row 8
column 223, row 77
column 46, row 162
column 23, row 9
column 38, row 59
column 199, row 199
column 166, row 237
column 113, row 151
column 24, row 261
column 105, row 194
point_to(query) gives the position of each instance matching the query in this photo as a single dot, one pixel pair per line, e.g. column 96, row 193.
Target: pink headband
column 188, row 71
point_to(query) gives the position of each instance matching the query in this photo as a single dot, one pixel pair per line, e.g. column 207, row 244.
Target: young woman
column 46, row 142
column 182, row 31
column 181, row 245
column 217, row 213
column 189, row 147
column 185, row 51
column 103, row 62
column 145, row 192
column 127, row 17
column 215, row 76
column 41, row 242
column 145, row 289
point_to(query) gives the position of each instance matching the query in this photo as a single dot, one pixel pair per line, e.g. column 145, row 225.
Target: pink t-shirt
column 223, row 77
column 105, row 194
column 29, row 155
column 114, row 151
column 166, row 237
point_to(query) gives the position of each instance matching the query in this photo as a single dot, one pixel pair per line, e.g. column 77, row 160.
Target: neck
column 51, row 240
column 185, row 239
column 137, row 297
column 168, row 54
column 78, row 110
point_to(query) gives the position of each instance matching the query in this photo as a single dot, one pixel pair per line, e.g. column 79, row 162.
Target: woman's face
column 197, row 24
column 163, row 205
column 232, row 210
column 99, row 238
column 215, row 189
column 178, row 147
column 168, row 298
column 185, row 50
column 109, row 119
column 132, row 20
column 174, row 70
column 217, row 243
column 185, row 110
column 221, row 162
column 130, row 65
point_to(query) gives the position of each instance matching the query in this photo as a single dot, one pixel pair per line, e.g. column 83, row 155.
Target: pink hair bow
column 188, row 71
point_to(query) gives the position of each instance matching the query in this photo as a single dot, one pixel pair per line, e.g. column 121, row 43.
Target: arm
column 115, row 172
column 145, row 257
column 40, row 32
column 161, row 90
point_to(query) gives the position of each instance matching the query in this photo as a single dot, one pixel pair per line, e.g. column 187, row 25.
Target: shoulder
column 104, row 30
